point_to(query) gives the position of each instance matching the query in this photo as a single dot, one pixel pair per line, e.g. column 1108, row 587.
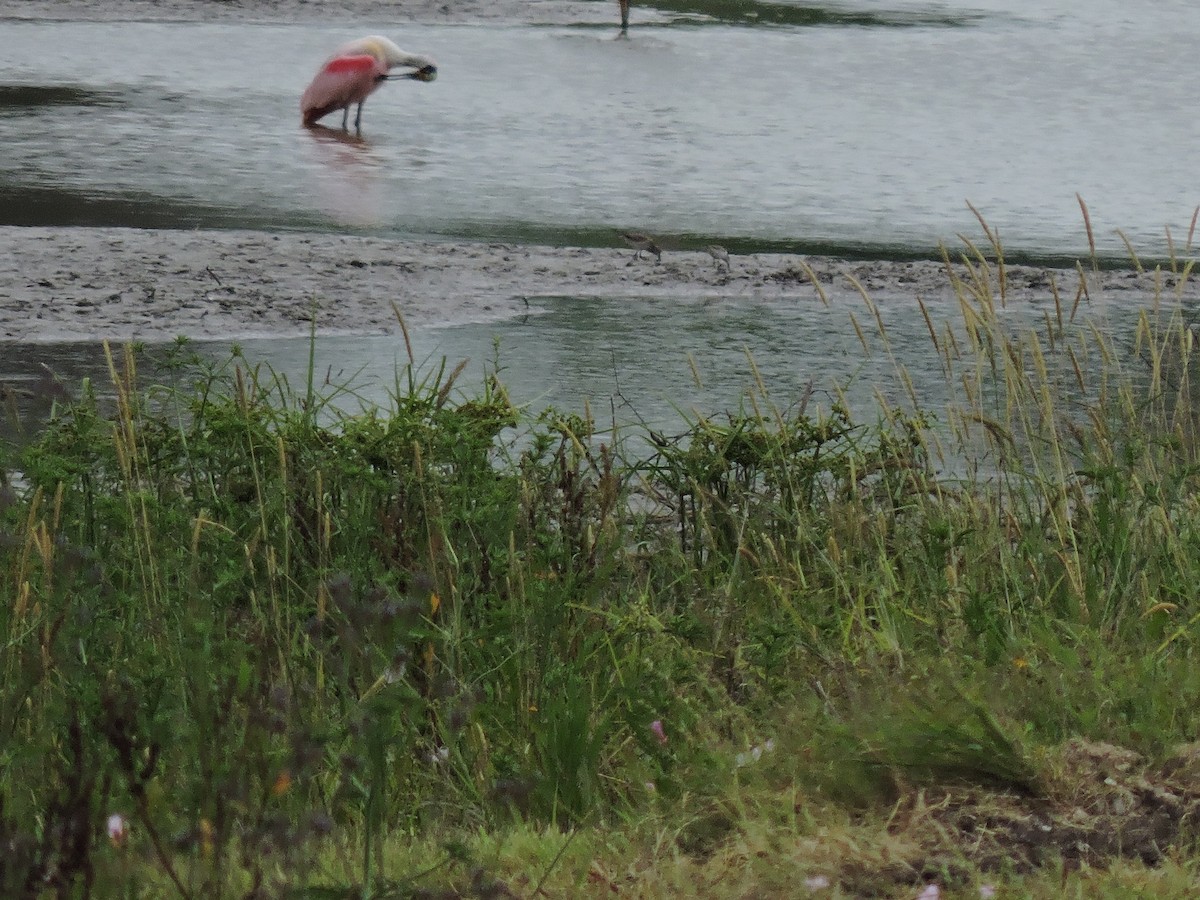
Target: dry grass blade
column 404, row 331
column 862, row 291
column 444, row 392
column 812, row 277
column 1079, row 379
column 937, row 345
column 1137, row 263
column 862, row 338
column 997, row 248
column 1081, row 292
column 1087, row 224
column 993, row 239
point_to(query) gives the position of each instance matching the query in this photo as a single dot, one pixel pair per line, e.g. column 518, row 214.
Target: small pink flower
column 931, row 892
column 657, row 727
column 987, row 891
column 118, row 829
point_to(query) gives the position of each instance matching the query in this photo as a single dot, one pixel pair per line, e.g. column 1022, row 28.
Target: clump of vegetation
column 255, row 644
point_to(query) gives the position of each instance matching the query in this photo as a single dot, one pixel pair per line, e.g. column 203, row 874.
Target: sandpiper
column 640, row 243
column 719, row 255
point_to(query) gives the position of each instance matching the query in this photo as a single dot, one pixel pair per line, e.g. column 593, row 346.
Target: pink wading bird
column 354, row 72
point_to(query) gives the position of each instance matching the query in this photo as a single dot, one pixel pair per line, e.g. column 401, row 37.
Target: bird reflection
column 350, row 186
column 329, row 135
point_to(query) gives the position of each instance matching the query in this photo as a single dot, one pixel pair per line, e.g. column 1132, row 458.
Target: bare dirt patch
column 1101, row 804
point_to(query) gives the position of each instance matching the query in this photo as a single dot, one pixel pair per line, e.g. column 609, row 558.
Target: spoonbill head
column 354, row 72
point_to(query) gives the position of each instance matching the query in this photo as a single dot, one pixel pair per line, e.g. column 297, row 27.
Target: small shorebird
column 719, row 255
column 642, row 243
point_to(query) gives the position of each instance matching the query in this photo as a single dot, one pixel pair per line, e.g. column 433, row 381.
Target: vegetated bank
column 255, row 645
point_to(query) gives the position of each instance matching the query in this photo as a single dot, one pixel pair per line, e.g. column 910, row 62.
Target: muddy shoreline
column 64, row 284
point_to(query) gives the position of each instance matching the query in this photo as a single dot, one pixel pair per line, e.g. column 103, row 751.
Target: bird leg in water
column 624, row 17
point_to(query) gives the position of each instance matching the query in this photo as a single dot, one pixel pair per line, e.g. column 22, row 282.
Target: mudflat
column 124, row 283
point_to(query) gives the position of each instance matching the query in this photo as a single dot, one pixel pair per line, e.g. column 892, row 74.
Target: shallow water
column 655, row 365
column 851, row 127
column 581, row 352
column 856, row 128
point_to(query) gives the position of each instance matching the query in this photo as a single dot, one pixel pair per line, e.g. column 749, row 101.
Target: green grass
column 421, row 650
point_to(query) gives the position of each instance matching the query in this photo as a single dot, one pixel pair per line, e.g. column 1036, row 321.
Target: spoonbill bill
column 354, row 72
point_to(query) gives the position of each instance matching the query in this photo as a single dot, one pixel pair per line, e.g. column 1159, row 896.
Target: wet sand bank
column 153, row 285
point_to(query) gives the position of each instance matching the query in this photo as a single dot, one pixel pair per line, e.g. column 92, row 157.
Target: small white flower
column 118, row 829
column 754, row 754
column 931, row 892
column 987, row 891
column 817, row 882
column 439, row 756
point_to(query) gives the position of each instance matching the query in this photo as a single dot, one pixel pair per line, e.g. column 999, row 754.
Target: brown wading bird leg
column 624, row 17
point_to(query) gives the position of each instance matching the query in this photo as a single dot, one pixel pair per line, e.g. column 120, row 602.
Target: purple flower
column 660, row 735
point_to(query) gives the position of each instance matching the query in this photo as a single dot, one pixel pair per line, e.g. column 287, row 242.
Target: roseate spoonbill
column 640, row 243
column 354, row 72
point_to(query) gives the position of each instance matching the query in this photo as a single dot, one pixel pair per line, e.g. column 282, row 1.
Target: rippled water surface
column 860, row 124
column 652, row 365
